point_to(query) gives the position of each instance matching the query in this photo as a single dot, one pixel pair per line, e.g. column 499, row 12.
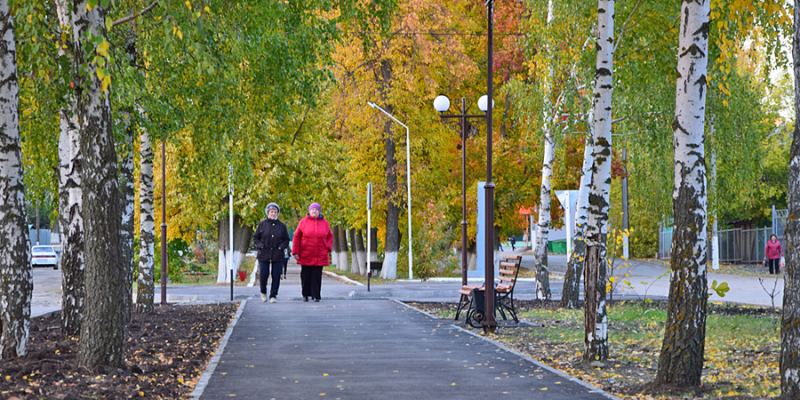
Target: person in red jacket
column 773, row 254
column 311, row 245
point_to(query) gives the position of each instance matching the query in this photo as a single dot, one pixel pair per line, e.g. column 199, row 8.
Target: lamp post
column 163, row 224
column 442, row 104
column 489, row 323
column 408, row 185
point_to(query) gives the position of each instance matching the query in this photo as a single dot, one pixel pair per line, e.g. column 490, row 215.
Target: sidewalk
column 367, row 350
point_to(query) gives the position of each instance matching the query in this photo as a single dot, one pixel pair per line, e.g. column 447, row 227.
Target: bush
column 177, row 249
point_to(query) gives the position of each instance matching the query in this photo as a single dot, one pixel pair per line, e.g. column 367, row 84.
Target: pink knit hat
column 315, row 205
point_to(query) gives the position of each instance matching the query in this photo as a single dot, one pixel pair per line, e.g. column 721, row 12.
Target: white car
column 44, row 256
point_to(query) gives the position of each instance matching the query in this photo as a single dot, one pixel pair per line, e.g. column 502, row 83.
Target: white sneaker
column 264, row 297
column 273, row 300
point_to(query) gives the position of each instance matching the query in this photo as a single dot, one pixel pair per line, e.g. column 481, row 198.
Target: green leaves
column 720, row 289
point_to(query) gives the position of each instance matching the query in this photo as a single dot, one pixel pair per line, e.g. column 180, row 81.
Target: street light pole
column 163, row 224
column 489, row 323
column 408, row 184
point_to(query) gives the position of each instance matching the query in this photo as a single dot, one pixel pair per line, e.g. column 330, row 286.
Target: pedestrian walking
column 513, row 241
column 773, row 254
column 271, row 239
column 312, row 244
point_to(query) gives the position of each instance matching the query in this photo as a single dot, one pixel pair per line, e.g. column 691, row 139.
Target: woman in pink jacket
column 311, row 246
column 772, row 254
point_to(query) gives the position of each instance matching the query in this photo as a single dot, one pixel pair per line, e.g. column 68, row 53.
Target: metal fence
column 739, row 246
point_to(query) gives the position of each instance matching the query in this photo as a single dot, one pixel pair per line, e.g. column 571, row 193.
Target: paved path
column 341, row 349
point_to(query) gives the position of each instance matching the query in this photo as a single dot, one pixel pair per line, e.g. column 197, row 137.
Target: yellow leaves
column 177, row 32
column 102, row 49
column 188, row 5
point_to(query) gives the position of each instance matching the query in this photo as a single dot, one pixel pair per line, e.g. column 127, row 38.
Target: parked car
column 44, row 256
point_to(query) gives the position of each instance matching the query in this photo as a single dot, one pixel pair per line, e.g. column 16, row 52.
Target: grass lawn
column 741, row 353
column 357, row 277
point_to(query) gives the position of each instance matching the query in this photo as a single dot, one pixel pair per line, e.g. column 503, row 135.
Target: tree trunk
column 16, row 286
column 127, row 204
column 359, row 253
column 103, row 325
column 69, row 206
column 127, row 193
column 335, row 247
column 71, row 224
column 790, row 323
column 145, row 288
column 681, row 360
column 242, row 235
column 392, row 242
column 373, row 244
column 596, row 317
column 344, row 257
column 572, row 279
column 543, row 226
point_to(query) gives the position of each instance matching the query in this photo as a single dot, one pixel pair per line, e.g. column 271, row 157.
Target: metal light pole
column 442, row 104
column 489, row 323
column 163, row 224
column 230, row 231
column 408, row 184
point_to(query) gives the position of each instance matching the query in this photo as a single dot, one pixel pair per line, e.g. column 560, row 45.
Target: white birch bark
column 681, row 360
column 596, row 318
column 542, row 227
column 70, row 204
column 145, row 288
column 790, row 323
column 16, row 285
column 103, row 324
column 572, row 279
column 128, row 204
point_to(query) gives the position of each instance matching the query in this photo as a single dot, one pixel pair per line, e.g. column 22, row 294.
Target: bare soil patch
column 166, row 353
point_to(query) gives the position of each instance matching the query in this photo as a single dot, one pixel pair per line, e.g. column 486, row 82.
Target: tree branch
column 301, row 125
column 134, row 16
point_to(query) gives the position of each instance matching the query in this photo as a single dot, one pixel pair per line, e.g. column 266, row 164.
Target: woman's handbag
column 783, row 262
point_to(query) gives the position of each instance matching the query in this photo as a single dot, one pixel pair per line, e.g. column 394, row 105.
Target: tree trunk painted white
column 790, row 323
column 128, row 204
column 103, row 324
column 712, row 187
column 391, row 244
column 543, row 225
column 335, row 246
column 242, row 236
column 572, row 279
column 359, row 253
column 344, row 257
column 145, row 288
column 596, row 317
column 69, row 205
column 681, row 360
column 16, row 285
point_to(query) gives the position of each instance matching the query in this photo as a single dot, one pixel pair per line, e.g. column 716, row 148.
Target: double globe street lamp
column 442, row 105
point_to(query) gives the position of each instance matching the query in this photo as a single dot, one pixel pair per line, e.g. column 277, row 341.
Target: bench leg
column 461, row 303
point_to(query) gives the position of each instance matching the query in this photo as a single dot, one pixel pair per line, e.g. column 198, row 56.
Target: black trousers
column 264, row 273
column 774, row 262
column 311, row 281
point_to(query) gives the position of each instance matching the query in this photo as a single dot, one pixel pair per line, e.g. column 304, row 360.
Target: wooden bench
column 506, row 281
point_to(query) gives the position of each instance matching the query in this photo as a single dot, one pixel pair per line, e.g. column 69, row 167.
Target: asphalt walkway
column 344, row 349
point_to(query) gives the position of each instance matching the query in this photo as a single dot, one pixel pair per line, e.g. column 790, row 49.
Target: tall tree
column 69, row 189
column 596, row 317
column 572, row 278
column 127, row 196
column 790, row 323
column 681, row 360
column 145, row 287
column 103, row 324
column 16, row 286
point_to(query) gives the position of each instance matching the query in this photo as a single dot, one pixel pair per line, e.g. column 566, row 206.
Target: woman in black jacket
column 271, row 238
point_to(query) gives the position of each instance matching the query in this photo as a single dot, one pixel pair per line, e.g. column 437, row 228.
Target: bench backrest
column 509, row 270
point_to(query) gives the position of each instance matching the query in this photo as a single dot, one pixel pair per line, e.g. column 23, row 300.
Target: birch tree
column 572, row 279
column 69, row 189
column 145, row 287
column 127, row 196
column 596, row 317
column 681, row 360
column 103, row 325
column 790, row 323
column 16, row 286
column 543, row 222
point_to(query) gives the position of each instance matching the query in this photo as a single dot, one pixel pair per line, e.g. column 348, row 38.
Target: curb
column 540, row 365
column 212, row 365
column 342, row 278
